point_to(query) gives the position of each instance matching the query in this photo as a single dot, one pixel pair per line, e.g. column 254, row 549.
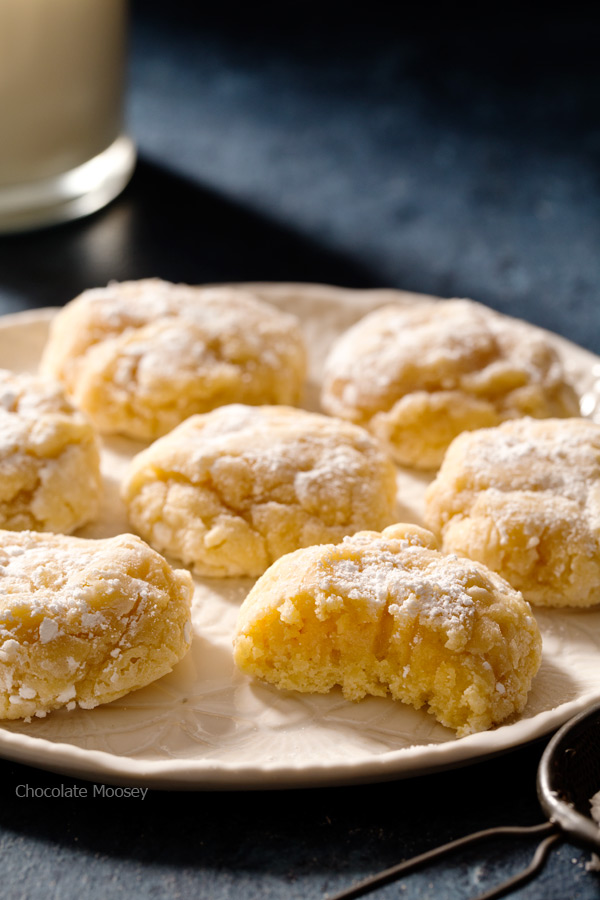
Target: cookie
column 418, row 376
column 387, row 613
column 49, row 457
column 139, row 357
column 524, row 498
column 230, row 491
column 84, row 622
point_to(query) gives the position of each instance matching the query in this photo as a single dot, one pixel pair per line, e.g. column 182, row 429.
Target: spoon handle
column 539, row 858
column 409, row 865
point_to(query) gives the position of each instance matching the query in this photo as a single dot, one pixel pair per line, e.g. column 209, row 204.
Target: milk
column 61, row 94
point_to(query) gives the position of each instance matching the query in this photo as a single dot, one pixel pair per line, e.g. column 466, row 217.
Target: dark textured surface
column 278, row 844
column 436, row 156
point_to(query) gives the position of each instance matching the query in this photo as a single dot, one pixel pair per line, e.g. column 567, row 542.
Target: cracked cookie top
column 524, row 498
column 232, row 490
column 141, row 356
column 83, row 622
column 418, row 376
column 49, row 457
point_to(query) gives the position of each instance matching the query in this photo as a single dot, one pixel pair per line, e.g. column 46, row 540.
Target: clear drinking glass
column 63, row 153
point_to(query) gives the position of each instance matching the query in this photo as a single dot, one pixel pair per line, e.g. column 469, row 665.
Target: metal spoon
column 568, row 776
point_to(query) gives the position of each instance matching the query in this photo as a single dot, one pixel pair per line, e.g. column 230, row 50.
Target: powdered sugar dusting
column 212, row 314
column 48, row 630
column 455, row 346
column 53, row 582
column 411, row 582
column 140, row 357
column 31, row 411
column 457, row 338
column 558, row 455
column 377, row 348
column 293, row 445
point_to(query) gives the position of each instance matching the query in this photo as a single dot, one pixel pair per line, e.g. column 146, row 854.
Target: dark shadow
column 529, row 78
column 167, row 226
column 277, row 834
column 469, row 151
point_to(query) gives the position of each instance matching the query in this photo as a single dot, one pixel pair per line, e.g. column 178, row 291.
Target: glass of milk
column 63, row 153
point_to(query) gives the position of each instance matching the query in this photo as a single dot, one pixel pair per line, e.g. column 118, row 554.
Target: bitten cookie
column 387, row 612
column 418, row 376
column 49, row 457
column 141, row 356
column 230, row 491
column 524, row 498
column 84, row 622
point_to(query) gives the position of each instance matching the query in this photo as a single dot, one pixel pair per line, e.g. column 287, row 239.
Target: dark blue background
column 433, row 151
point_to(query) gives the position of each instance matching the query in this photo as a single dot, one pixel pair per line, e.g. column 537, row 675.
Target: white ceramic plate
column 205, row 726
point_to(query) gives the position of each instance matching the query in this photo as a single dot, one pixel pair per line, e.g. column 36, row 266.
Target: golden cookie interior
column 387, row 613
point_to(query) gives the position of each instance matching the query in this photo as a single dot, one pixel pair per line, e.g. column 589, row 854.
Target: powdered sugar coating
column 83, row 622
column 232, row 490
column 139, row 357
column 49, row 457
column 419, row 376
column 387, row 612
column 524, row 498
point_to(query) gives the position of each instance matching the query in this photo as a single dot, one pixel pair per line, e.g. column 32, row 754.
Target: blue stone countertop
column 435, row 154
